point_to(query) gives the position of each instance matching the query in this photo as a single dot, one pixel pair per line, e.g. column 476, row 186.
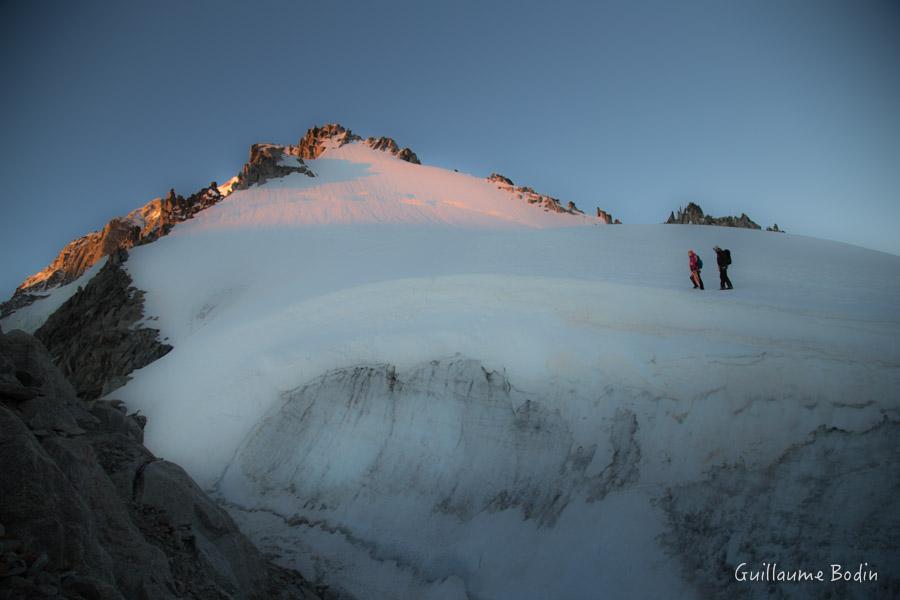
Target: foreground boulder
column 86, row 511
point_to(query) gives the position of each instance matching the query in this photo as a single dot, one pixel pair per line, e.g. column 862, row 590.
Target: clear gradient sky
column 788, row 110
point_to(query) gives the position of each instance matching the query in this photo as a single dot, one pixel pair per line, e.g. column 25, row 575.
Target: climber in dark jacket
column 723, row 258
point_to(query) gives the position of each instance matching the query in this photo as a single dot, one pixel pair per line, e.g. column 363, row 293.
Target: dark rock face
column 774, row 228
column 44, row 514
column 223, row 553
column 92, row 336
column 548, row 203
column 692, row 214
column 270, row 161
column 87, row 512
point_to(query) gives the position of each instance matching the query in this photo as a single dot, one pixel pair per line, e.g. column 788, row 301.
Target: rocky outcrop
column 387, row 144
column 96, row 338
column 548, row 203
column 270, row 161
column 498, row 178
column 774, row 228
column 316, row 140
column 605, row 217
column 141, row 226
column 80, row 254
column 312, row 144
column 87, row 512
column 692, row 214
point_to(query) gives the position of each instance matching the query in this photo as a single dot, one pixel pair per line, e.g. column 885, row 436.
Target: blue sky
column 784, row 109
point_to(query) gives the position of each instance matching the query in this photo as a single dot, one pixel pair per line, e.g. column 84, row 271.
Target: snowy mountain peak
column 330, row 176
column 390, row 371
column 333, row 135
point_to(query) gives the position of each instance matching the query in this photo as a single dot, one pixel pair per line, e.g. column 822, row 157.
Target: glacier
column 407, row 382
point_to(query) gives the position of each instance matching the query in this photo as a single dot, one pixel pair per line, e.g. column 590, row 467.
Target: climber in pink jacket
column 696, row 264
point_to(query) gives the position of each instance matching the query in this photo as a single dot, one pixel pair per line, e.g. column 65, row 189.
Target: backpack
column 727, row 256
column 699, row 262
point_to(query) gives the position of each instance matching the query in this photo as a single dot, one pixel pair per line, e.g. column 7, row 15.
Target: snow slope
column 356, row 184
column 412, row 384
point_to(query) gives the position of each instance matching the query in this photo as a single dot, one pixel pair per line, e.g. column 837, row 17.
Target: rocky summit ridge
column 156, row 218
column 143, row 225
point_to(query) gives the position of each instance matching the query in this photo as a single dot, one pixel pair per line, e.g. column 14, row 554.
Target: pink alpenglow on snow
column 356, row 184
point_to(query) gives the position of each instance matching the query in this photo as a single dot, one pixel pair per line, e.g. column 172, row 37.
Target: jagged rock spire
column 606, row 217
column 692, row 214
column 311, row 145
column 270, row 161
